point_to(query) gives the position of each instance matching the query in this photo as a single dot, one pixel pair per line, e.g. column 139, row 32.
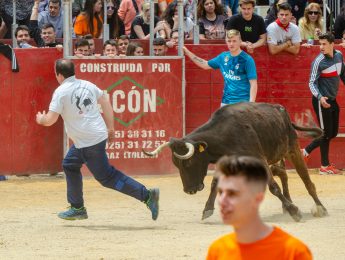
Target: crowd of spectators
column 40, row 23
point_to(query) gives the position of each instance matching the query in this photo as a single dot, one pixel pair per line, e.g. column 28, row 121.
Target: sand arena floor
column 120, row 227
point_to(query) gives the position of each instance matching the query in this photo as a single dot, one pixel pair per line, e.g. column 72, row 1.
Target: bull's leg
column 279, row 170
column 296, row 158
column 209, row 207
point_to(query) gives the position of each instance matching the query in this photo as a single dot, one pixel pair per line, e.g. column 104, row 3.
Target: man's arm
column 253, row 89
column 197, row 60
column 294, row 49
column 46, row 119
column 261, row 41
column 274, row 49
column 35, row 32
column 107, row 115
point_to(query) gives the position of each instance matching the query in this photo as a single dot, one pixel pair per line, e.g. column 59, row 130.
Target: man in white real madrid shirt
column 77, row 102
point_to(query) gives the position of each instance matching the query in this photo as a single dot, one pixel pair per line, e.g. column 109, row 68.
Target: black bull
column 256, row 129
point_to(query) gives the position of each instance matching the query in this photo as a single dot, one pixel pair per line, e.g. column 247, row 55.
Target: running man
column 237, row 67
column 327, row 69
column 77, row 102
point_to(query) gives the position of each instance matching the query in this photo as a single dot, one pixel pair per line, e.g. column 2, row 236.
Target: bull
column 257, row 129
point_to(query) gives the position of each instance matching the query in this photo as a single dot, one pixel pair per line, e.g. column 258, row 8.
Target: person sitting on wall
column 282, row 35
column 81, row 48
column 54, row 16
column 250, row 25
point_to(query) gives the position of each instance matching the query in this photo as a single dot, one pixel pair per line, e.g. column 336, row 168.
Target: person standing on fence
column 77, row 102
column 241, row 190
column 326, row 71
column 237, row 67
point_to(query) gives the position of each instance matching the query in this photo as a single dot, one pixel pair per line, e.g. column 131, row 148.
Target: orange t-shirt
column 81, row 26
column 278, row 245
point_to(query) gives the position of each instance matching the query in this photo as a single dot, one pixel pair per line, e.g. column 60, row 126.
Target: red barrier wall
column 29, row 148
column 25, row 146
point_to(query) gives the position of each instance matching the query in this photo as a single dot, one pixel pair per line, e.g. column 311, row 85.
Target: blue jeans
column 97, row 162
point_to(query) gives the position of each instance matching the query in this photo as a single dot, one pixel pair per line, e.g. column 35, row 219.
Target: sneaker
column 73, row 214
column 330, row 169
column 305, row 155
column 152, row 202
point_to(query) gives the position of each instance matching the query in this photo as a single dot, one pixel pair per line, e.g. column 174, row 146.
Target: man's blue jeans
column 97, row 162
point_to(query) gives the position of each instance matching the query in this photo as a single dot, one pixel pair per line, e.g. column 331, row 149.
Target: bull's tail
column 313, row 132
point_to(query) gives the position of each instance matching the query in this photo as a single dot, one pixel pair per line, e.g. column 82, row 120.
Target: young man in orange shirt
column 241, row 189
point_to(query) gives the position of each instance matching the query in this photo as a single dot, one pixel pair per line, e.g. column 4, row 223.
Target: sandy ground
column 120, row 227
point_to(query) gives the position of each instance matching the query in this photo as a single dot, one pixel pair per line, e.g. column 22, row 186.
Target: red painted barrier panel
column 26, row 147
column 146, row 96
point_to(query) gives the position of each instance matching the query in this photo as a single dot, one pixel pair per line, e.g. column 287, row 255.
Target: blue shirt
column 236, row 71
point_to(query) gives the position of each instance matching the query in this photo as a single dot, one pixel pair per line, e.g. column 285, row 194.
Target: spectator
column 128, row 10
column 159, row 47
column 242, row 182
column 339, row 25
column 211, row 20
column 297, row 8
column 90, row 21
column 135, row 49
column 326, row 71
column 54, row 16
column 310, row 26
column 230, row 7
column 272, row 12
column 91, row 41
column 116, row 26
column 283, row 35
column 46, row 36
column 250, row 25
column 22, row 34
column 122, row 44
column 23, row 11
column 173, row 39
column 237, row 67
column 109, row 48
column 81, row 48
column 140, row 28
column 170, row 22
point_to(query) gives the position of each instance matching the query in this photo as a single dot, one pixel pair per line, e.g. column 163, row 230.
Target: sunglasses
column 313, row 12
column 110, row 8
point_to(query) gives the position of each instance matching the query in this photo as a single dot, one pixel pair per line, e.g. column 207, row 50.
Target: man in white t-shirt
column 282, row 35
column 77, row 102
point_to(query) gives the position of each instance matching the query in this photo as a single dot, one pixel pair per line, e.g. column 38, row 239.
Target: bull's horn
column 188, row 154
column 158, row 150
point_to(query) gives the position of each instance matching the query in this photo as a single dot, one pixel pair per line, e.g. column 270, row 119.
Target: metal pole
column 324, row 16
column 105, row 23
column 180, row 27
column 14, row 25
column 67, row 39
column 152, row 25
column 196, row 39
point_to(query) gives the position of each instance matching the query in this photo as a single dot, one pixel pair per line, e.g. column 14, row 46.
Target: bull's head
column 191, row 158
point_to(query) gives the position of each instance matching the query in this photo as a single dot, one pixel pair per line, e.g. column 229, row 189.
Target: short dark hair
column 123, row 37
column 252, row 168
column 159, row 41
column 19, row 28
column 81, row 43
column 88, row 37
column 327, row 36
column 64, row 67
column 172, row 32
column 55, row 2
column 48, row 25
column 246, row 2
column 285, row 6
column 110, row 42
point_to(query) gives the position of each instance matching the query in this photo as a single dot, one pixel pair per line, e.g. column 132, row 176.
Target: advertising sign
column 146, row 97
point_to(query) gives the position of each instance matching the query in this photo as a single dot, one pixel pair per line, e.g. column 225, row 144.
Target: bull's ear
column 201, row 146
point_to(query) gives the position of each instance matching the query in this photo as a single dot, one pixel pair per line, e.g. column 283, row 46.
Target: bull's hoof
column 207, row 213
column 297, row 216
column 319, row 211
